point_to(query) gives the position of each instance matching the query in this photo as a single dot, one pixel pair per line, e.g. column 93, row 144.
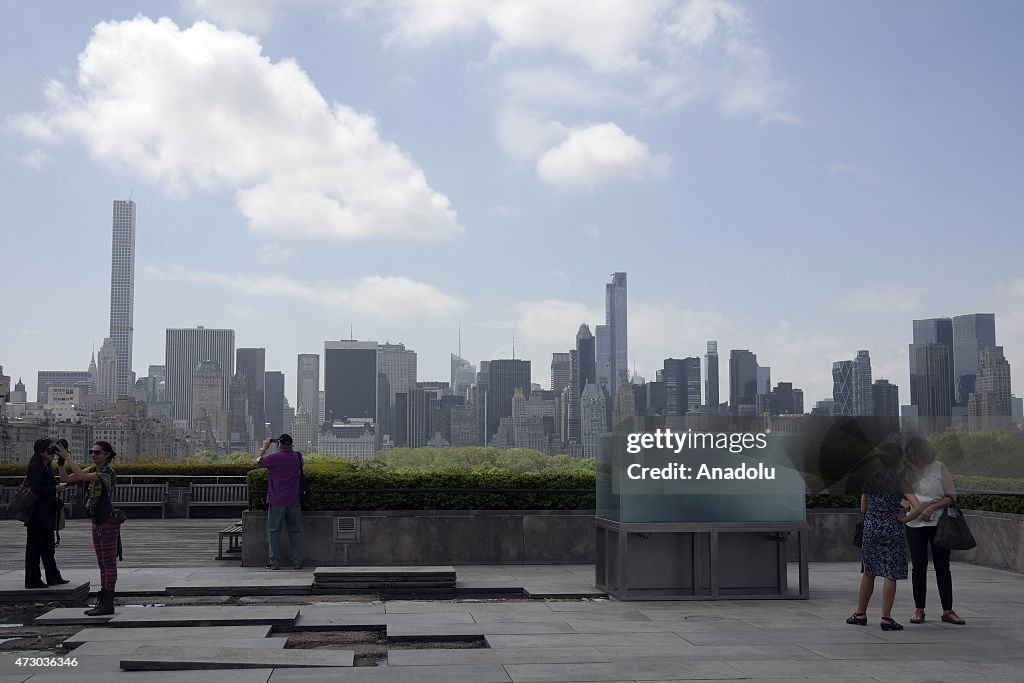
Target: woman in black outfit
column 39, row 545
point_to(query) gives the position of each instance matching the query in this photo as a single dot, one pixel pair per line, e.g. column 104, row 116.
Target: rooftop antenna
column 131, row 194
column 350, row 335
column 513, row 343
column 460, row 339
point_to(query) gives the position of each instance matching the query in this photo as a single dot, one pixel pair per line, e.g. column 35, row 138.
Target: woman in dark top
column 106, row 533
column 39, row 545
column 884, row 545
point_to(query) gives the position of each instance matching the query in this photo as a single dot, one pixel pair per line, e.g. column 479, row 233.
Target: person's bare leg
column 888, row 597
column 867, row 588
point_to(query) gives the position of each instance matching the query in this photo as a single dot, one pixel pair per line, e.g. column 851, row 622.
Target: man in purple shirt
column 284, row 481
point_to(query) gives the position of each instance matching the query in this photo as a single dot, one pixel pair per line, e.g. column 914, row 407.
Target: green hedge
column 184, row 472
column 530, row 490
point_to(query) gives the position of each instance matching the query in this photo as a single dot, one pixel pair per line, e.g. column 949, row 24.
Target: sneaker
column 273, row 566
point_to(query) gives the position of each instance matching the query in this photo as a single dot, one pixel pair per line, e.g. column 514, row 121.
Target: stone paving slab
column 203, row 616
column 474, row 673
column 84, row 664
column 930, row 669
column 401, row 632
column 127, row 647
column 223, row 676
column 804, row 637
column 179, row 658
column 70, row 615
column 287, row 585
column 948, row 651
column 711, row 653
column 13, row 590
column 615, row 671
column 212, row 633
column 324, row 618
column 534, row 655
column 14, row 678
column 669, row 640
column 383, row 572
column 561, row 591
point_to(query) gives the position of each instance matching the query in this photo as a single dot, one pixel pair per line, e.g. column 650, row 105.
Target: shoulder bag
column 23, row 503
column 952, row 531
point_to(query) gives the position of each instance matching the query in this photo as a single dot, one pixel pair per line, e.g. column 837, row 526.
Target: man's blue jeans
column 292, row 515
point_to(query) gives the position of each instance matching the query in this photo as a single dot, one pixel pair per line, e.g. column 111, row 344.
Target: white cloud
column 385, row 298
column 204, row 108
column 891, row 299
column 598, row 155
column 523, row 135
column 554, row 321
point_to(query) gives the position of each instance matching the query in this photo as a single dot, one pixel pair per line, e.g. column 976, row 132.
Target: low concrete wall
column 560, row 537
column 1000, row 538
column 425, row 537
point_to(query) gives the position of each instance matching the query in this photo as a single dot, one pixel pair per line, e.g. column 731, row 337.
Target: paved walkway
column 147, row 543
column 602, row 640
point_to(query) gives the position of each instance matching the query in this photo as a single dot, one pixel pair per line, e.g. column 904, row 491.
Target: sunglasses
column 96, row 452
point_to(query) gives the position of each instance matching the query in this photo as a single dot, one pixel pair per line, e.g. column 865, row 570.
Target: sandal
column 893, row 625
column 858, row 619
column 953, row 618
column 917, row 619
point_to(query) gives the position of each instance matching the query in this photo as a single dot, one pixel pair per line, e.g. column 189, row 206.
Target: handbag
column 858, row 534
column 116, row 516
column 952, row 531
column 23, row 503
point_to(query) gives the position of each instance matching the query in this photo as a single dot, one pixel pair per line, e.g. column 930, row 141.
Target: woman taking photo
column 884, row 545
column 106, row 534
column 931, row 482
column 39, row 543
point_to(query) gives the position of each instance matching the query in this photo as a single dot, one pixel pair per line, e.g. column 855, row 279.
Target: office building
column 862, row 396
column 106, row 370
column 350, row 380
column 885, row 399
column 682, row 379
column 603, row 357
column 971, row 335
column 931, row 331
column 593, row 418
column 561, row 372
column 122, row 293
column 45, row 379
column 209, row 417
column 185, row 348
column 934, row 402
column 711, row 395
column 307, row 387
column 275, row 403
column 503, row 378
column 989, row 405
column 252, row 365
column 742, row 381
column 463, row 376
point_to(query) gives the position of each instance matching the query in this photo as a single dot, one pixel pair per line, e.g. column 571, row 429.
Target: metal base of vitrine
column 699, row 560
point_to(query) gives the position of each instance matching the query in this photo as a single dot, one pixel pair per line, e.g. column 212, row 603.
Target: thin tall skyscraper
column 252, row 365
column 122, row 292
column 615, row 317
column 711, row 379
column 742, row 381
column 307, row 389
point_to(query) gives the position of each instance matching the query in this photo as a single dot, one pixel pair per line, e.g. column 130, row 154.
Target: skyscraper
column 682, row 385
column 615, row 316
column 252, row 365
column 398, row 364
column 989, row 406
column 463, row 375
column 307, row 387
column 711, row 378
column 742, row 380
column 934, row 406
column 350, row 379
column 885, row 399
column 842, row 387
column 274, row 411
column 594, row 420
column 504, row 377
column 586, row 368
column 561, row 372
column 862, row 396
column 106, row 370
column 122, row 292
column 184, row 349
column 603, row 357
column 971, row 334
column 931, row 331
column 208, row 413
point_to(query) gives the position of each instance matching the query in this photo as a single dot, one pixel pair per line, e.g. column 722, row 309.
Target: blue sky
column 799, row 179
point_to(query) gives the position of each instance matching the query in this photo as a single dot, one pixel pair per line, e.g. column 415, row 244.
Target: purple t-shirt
column 283, row 478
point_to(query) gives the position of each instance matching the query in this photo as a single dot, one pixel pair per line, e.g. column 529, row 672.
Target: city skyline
column 770, row 160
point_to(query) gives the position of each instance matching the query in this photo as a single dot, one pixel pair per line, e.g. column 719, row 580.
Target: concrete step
column 178, row 658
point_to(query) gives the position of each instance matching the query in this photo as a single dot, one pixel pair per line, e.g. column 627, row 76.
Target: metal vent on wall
column 346, row 529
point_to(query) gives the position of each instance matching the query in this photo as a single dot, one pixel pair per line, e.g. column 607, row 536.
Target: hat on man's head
column 285, row 440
